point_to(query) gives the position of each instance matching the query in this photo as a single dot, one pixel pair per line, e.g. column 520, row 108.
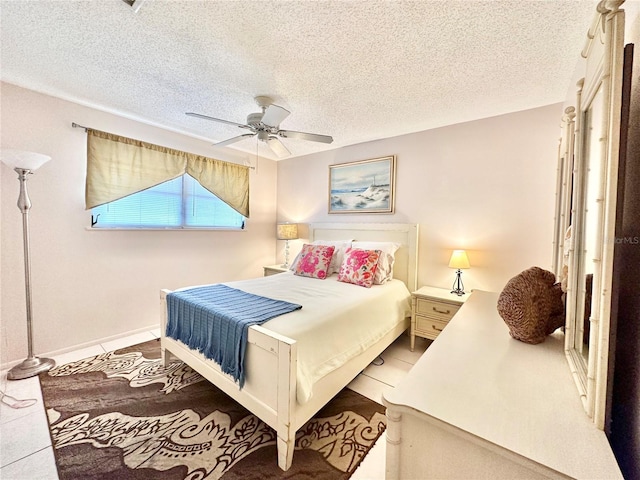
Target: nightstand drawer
column 439, row 310
column 429, row 327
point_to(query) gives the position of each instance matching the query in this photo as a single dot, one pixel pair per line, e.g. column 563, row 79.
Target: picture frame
column 365, row 186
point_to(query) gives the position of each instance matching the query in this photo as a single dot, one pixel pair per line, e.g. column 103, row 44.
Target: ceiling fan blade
column 278, row 147
column 207, row 117
column 233, row 140
column 274, row 114
column 314, row 137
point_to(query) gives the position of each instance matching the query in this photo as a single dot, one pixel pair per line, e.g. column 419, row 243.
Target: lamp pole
column 32, row 365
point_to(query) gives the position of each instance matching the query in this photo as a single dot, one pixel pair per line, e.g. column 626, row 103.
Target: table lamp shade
column 287, row 231
column 21, row 159
column 459, row 260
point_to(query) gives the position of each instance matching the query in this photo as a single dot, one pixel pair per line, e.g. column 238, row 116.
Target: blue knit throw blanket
column 215, row 320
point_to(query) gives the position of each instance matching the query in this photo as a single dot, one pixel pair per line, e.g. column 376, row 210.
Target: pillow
column 338, row 254
column 336, row 260
column 359, row 266
column 387, row 258
column 564, row 274
column 294, row 264
column 314, row 261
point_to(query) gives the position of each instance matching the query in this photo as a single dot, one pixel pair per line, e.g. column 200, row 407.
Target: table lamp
column 459, row 260
column 286, row 232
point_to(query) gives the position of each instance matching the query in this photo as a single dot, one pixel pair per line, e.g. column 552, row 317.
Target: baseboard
column 8, row 365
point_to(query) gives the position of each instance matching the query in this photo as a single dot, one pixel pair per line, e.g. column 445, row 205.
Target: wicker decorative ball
column 531, row 305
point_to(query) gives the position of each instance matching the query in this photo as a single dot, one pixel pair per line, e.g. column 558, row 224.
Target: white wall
column 90, row 285
column 487, row 186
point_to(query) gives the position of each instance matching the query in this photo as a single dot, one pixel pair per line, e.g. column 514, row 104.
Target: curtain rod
column 76, row 125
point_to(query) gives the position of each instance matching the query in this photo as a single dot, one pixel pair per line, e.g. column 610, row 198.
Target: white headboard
column 406, row 234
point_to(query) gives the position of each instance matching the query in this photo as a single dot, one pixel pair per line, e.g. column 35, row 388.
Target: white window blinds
column 178, row 203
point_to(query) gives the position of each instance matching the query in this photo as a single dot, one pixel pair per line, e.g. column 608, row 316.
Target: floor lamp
column 25, row 163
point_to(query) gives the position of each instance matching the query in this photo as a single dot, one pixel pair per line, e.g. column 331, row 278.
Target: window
column 178, row 203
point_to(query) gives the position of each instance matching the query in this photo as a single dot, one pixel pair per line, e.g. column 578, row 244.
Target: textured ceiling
column 356, row 70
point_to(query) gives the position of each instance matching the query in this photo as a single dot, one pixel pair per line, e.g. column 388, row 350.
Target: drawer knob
column 446, row 312
column 436, row 328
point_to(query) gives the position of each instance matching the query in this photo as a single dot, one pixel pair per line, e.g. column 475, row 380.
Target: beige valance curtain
column 119, row 166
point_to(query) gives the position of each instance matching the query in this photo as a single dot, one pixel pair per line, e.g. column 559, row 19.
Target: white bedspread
column 337, row 322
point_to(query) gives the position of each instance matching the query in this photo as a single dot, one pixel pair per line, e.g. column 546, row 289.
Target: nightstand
column 274, row 269
column 431, row 310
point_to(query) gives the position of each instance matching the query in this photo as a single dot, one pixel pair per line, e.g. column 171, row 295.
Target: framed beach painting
column 366, row 186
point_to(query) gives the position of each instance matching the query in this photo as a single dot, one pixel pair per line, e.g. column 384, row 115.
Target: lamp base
column 30, row 367
column 458, row 287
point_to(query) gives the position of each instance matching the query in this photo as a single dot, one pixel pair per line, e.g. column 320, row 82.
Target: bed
column 276, row 390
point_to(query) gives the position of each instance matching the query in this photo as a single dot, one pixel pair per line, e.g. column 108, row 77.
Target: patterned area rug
column 121, row 415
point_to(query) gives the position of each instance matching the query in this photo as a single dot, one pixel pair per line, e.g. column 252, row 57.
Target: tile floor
column 25, row 445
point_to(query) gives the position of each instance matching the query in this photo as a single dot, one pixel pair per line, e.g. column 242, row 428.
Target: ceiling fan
column 266, row 125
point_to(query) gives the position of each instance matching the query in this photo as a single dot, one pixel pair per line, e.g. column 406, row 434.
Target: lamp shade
column 287, row 231
column 21, row 159
column 459, row 259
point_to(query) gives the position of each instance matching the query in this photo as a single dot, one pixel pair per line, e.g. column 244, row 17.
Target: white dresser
column 479, row 404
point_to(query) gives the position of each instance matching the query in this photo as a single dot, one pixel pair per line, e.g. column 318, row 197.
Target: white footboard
column 271, row 360
column 269, row 391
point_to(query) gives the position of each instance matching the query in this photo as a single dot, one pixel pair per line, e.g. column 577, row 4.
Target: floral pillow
column 338, row 254
column 314, row 260
column 359, row 266
column 384, row 271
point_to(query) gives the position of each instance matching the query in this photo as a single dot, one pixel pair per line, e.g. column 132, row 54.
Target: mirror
column 564, row 192
column 590, row 206
column 586, row 205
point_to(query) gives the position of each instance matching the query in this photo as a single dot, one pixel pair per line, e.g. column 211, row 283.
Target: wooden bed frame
column 269, row 391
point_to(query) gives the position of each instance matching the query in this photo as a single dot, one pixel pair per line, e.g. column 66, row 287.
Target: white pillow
column 384, row 271
column 340, row 247
column 294, row 264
